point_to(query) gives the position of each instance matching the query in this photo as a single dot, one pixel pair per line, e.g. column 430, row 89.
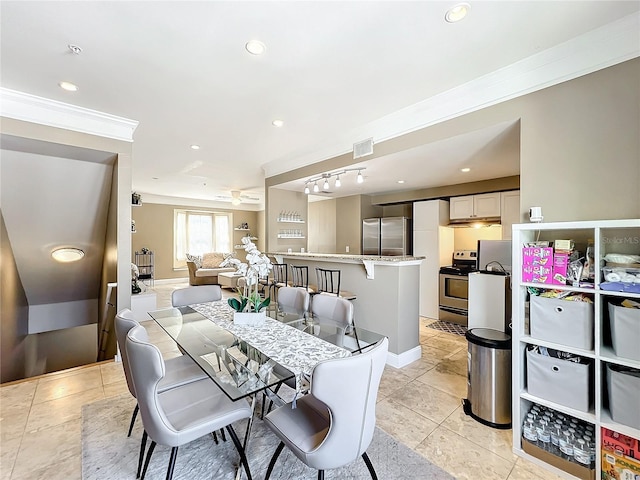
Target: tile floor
column 420, row 405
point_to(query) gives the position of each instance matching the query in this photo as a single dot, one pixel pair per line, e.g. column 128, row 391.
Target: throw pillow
column 197, row 259
column 212, row 260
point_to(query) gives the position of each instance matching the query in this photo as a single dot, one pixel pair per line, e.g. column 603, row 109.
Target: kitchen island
column 387, row 295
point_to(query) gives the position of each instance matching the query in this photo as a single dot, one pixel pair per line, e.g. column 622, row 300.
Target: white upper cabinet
column 475, row 206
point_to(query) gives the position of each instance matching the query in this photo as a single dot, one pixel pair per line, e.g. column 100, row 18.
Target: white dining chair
column 195, row 294
column 293, row 303
column 336, row 312
column 179, row 370
column 333, row 425
column 178, row 416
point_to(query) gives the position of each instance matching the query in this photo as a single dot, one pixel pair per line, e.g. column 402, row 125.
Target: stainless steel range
column 454, row 287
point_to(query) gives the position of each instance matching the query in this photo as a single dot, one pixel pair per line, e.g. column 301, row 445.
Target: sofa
column 204, row 270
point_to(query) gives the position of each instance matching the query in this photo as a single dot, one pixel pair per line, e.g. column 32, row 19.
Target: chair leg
column 143, row 445
column 243, row 457
column 172, row 462
column 146, row 462
column 224, row 439
column 272, row 463
column 133, row 419
column 320, row 474
column 355, row 332
column 215, row 437
column 372, row 471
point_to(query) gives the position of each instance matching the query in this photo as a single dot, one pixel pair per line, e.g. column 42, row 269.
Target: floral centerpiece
column 257, row 267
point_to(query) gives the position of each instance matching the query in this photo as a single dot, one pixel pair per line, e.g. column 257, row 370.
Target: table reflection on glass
column 337, row 336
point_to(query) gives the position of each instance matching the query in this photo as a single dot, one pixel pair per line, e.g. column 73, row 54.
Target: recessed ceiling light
column 66, row 255
column 68, row 86
column 457, row 13
column 465, row 170
column 277, row 123
column 400, row 181
column 255, row 47
column 74, row 49
column 195, row 147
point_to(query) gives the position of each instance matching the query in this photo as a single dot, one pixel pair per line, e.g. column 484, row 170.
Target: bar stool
column 300, row 278
column 280, row 278
column 329, row 284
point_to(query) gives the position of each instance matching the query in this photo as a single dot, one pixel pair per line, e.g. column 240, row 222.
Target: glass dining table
column 244, row 361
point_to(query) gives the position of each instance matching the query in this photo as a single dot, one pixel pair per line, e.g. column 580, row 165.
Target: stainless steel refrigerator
column 390, row 236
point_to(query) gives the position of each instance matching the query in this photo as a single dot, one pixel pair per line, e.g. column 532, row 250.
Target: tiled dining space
column 419, row 405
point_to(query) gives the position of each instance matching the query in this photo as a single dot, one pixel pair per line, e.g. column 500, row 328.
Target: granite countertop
column 346, row 256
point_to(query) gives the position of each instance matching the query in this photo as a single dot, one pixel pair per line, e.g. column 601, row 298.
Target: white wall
column 56, row 316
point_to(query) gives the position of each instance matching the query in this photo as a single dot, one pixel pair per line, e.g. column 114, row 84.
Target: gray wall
column 349, row 224
column 322, row 226
column 154, row 230
column 285, row 200
column 581, row 147
column 14, row 312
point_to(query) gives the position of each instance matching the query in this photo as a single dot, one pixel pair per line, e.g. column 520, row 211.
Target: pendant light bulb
column 338, row 183
column 325, row 185
column 360, row 178
column 316, row 189
column 306, row 190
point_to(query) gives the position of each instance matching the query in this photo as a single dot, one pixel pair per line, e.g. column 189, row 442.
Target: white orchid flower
column 257, row 266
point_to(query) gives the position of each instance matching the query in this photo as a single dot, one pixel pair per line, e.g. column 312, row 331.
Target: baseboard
column 405, row 358
column 168, row 281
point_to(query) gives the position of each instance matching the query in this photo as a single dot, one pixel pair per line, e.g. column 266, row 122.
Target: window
column 200, row 232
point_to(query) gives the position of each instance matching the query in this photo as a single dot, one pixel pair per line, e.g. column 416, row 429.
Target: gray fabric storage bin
column 625, row 331
column 560, row 381
column 624, row 395
column 562, row 321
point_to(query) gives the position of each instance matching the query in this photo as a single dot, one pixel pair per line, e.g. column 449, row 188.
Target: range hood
column 474, row 222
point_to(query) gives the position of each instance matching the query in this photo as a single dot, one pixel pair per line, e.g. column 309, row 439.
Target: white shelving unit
column 611, row 236
column 246, row 232
column 291, row 233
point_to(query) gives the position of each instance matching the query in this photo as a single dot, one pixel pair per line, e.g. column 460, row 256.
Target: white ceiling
column 330, row 70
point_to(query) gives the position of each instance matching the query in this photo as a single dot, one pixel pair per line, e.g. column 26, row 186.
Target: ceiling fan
column 237, row 197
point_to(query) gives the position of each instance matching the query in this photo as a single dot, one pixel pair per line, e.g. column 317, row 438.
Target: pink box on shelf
column 537, row 274
column 560, row 264
column 537, row 256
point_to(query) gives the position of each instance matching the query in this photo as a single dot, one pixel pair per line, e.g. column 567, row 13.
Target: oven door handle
column 457, row 311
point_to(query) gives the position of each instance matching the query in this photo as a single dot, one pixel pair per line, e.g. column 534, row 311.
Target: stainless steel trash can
column 489, row 377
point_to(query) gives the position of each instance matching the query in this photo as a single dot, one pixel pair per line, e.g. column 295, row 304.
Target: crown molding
column 603, row 47
column 197, row 202
column 43, row 111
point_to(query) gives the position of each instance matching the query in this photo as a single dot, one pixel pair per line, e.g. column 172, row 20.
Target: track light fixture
column 325, row 177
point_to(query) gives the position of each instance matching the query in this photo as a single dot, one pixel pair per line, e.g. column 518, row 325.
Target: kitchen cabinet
column 509, row 211
column 609, row 236
column 479, row 206
column 433, row 240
